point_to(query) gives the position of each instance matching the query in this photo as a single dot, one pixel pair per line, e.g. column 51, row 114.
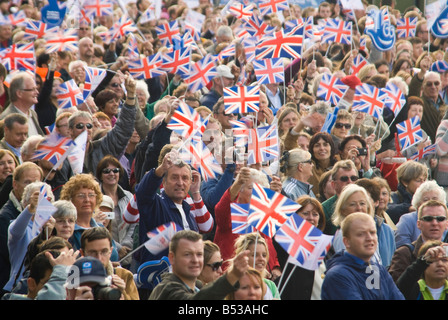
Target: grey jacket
column 114, row 142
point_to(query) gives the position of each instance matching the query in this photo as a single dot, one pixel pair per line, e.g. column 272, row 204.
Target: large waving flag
column 409, row 132
column 123, row 27
column 395, row 99
column 338, row 31
column 269, row 210
column 146, row 68
column 201, row 73
column 423, row 153
column 167, row 32
column 303, row 241
column 186, row 121
column 18, row 19
column 239, row 212
column 263, row 144
column 37, row 29
column 241, row 11
column 177, row 61
column 18, row 57
column 160, row 237
column 94, row 76
column 287, row 44
column 406, row 27
column 53, row 148
column 256, row 27
column 196, row 154
column 369, row 99
column 62, row 41
column 69, row 94
column 331, row 89
column 272, row 6
column 269, row 70
column 241, row 99
column 98, row 8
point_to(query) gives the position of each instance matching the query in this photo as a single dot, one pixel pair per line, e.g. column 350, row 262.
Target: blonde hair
column 341, row 203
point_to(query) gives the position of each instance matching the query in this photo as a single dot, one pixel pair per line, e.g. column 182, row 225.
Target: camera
column 101, row 292
column 362, row 151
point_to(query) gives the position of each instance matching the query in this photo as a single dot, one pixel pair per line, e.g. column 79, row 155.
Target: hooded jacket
column 350, row 278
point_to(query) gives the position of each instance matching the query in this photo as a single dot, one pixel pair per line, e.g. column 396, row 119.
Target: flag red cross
column 57, row 150
column 300, row 237
column 407, row 26
column 410, row 131
column 268, row 209
column 243, row 100
column 16, row 55
column 168, row 33
column 271, row 3
column 374, row 102
column 279, row 40
column 71, row 94
column 271, row 70
column 340, row 31
column 97, row 6
column 202, row 73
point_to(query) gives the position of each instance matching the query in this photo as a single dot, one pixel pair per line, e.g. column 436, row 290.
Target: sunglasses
column 114, row 170
column 215, row 266
column 345, row 178
column 81, row 126
column 431, row 218
column 342, row 125
column 429, row 83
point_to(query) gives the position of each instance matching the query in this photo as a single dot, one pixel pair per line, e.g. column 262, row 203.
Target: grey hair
column 224, row 31
column 30, row 144
column 31, row 188
column 75, row 63
column 429, row 185
column 141, row 84
column 321, row 107
column 65, row 209
column 17, row 83
column 400, row 83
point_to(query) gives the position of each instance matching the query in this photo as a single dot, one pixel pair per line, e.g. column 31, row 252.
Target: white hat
column 107, row 202
column 224, row 71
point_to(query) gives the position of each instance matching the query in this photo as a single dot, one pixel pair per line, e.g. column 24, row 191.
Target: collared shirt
column 428, row 292
column 275, row 99
column 16, row 151
column 294, row 188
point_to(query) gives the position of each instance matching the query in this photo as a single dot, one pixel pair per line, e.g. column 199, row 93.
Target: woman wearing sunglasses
column 212, row 269
column 342, row 126
column 108, row 172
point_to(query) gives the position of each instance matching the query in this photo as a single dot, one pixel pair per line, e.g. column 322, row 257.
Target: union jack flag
column 19, row 57
column 239, row 213
column 196, row 153
column 68, row 94
column 423, row 153
column 53, row 148
column 186, row 121
column 256, row 26
column 123, row 27
column 94, row 76
column 363, row 44
column 146, row 68
column 272, row 6
column 281, row 44
column 263, row 144
column 194, row 32
column 250, row 46
column 133, row 52
column 369, row 99
column 406, row 27
column 167, row 32
column 303, row 241
column 358, row 62
column 269, row 70
column 241, row 99
column 395, row 99
column 62, row 41
column 15, row 19
column 338, row 31
column 37, row 29
column 409, row 132
column 240, row 131
column 201, row 73
column 50, row 129
column 240, row 11
column 269, row 210
column 160, row 237
column 177, row 61
column 98, row 8
column 331, row 89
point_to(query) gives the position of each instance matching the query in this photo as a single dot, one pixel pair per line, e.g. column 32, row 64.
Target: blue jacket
column 155, row 210
column 401, row 202
column 348, row 278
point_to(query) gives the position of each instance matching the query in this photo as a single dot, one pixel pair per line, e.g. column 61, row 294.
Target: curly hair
column 78, row 181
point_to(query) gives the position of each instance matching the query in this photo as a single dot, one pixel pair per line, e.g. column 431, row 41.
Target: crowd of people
column 385, row 210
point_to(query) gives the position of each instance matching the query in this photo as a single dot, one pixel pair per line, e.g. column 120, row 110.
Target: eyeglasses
column 32, row 89
column 345, row 178
column 80, row 126
column 431, row 218
column 307, row 161
column 215, row 266
column 342, row 125
column 93, row 253
column 430, row 83
column 85, row 196
column 114, row 170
